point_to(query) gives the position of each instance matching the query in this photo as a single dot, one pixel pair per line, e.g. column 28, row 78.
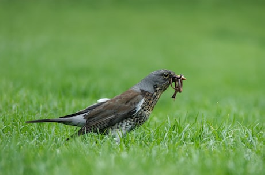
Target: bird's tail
column 73, row 120
column 57, row 120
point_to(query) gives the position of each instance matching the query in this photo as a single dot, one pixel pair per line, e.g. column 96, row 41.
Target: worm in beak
column 178, row 80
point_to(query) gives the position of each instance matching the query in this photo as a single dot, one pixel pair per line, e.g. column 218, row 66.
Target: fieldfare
column 123, row 113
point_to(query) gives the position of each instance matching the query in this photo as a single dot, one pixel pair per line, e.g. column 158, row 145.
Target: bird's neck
column 151, row 99
column 145, row 86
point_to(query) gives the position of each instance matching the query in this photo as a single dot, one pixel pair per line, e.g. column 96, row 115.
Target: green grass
column 57, row 58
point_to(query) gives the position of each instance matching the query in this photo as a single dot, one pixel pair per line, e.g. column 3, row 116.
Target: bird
column 125, row 112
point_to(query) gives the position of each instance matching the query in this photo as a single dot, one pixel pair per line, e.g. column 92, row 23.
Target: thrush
column 125, row 112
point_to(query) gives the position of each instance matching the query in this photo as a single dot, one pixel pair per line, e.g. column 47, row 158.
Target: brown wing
column 113, row 111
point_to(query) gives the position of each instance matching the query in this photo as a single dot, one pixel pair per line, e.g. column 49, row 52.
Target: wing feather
column 114, row 110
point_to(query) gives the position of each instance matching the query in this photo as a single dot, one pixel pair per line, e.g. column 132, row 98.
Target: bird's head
column 160, row 80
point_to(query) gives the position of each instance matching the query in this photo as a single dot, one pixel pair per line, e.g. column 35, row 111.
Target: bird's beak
column 176, row 78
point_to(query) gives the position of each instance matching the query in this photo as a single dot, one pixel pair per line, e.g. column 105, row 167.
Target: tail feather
column 77, row 120
column 45, row 120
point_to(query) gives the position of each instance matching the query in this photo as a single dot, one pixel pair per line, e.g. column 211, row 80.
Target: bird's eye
column 165, row 75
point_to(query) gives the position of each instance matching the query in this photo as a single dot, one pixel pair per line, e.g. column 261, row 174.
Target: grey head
column 158, row 79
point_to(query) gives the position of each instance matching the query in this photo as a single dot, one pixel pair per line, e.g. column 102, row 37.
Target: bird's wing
column 78, row 118
column 115, row 110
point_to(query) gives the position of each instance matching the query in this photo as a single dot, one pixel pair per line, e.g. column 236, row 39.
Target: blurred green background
column 57, row 57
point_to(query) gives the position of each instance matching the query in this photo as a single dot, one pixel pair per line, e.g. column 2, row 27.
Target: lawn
column 59, row 57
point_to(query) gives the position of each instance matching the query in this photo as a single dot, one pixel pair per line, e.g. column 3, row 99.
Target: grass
column 57, row 58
